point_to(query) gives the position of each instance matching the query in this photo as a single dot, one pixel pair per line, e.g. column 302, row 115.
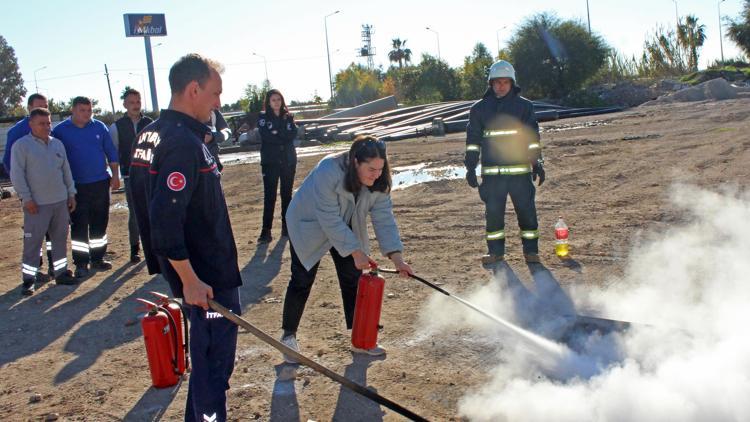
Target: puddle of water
column 254, row 156
column 407, row 176
column 573, row 126
column 118, row 206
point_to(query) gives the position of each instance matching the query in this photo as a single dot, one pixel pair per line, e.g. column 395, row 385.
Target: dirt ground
column 77, row 351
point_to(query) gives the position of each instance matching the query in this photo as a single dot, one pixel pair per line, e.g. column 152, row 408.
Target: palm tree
column 691, row 37
column 399, row 55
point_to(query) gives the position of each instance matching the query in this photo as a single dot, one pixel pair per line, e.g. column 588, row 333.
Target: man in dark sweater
column 124, row 132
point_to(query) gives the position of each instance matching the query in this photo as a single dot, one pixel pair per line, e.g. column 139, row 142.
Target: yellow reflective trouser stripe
column 500, row 234
column 472, row 147
column 488, row 133
column 519, row 169
column 530, row 234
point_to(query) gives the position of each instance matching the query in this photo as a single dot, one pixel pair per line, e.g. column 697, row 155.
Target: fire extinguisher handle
column 373, row 265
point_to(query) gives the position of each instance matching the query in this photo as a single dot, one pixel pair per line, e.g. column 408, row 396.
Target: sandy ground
column 80, row 347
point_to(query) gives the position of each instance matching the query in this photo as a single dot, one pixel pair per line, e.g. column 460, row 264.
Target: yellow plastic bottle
column 562, row 248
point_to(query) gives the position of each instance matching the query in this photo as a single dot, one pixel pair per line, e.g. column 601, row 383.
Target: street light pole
column 721, row 42
column 588, row 16
column 497, row 35
column 265, row 63
column 676, row 16
column 36, row 85
column 328, row 54
column 438, row 40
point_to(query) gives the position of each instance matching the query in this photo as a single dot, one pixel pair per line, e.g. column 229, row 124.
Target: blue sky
column 75, row 39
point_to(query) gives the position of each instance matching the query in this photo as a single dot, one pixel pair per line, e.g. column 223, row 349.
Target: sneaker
column 27, row 288
column 82, row 271
column 375, row 351
column 265, row 236
column 134, row 257
column 532, row 258
column 290, row 341
column 66, row 278
column 492, row 259
column 101, row 265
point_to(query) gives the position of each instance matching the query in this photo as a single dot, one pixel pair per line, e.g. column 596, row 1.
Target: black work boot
column 66, row 278
column 82, row 271
column 265, row 236
column 27, row 287
column 101, row 265
column 134, row 250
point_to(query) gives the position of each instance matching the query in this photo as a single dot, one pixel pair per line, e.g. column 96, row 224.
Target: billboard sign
column 145, row 25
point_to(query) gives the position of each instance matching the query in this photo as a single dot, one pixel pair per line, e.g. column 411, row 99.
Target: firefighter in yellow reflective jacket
column 504, row 133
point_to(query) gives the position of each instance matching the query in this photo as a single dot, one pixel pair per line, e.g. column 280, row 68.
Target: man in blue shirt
column 21, row 128
column 90, row 150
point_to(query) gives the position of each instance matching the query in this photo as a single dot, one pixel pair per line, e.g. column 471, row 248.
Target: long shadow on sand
column 34, row 323
column 260, row 271
column 284, row 405
column 351, row 406
column 118, row 327
column 152, row 404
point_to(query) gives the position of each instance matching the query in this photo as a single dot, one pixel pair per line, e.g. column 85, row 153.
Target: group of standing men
column 63, row 176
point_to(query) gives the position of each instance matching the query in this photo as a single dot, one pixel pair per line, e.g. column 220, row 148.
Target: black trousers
column 301, row 283
column 88, row 223
column 494, row 192
column 272, row 173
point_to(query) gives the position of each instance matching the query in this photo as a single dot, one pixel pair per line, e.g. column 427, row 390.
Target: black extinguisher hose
column 173, row 325
column 186, row 346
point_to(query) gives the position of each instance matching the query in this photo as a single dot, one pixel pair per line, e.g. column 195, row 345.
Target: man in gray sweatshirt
column 41, row 177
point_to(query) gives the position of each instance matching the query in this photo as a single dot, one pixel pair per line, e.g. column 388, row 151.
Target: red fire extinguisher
column 175, row 310
column 367, row 309
column 161, row 345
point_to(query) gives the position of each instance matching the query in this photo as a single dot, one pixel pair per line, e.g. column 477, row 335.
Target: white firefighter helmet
column 501, row 69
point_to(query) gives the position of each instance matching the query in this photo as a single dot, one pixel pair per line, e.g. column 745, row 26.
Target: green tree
column 254, row 96
column 691, row 37
column 356, row 85
column 474, row 72
column 739, row 29
column 554, row 57
column 432, row 80
column 12, row 90
column 398, row 54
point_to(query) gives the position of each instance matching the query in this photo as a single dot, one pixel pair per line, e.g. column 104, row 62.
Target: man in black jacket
column 123, row 132
column 503, row 131
column 179, row 193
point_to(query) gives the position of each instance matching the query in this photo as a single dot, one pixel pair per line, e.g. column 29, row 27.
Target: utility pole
column 328, row 54
column 438, row 40
column 36, row 85
column 111, row 100
column 676, row 16
column 721, row 42
column 588, row 16
column 497, row 35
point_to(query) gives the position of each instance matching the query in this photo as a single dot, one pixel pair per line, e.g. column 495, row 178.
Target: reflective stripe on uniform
column 472, row 147
column 500, row 234
column 60, row 264
column 49, row 246
column 518, row 169
column 79, row 246
column 534, row 146
column 489, row 133
column 98, row 243
column 29, row 270
column 530, row 234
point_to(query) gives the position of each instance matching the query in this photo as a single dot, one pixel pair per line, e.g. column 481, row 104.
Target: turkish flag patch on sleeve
column 176, row 181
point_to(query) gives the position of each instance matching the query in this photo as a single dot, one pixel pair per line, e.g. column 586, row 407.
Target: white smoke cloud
column 687, row 358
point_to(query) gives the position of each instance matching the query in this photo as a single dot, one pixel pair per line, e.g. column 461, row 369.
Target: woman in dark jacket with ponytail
column 278, row 159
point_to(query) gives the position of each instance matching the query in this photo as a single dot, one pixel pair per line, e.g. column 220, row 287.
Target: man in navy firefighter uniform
column 503, row 131
column 189, row 227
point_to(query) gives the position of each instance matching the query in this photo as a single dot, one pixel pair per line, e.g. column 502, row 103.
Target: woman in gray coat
column 329, row 214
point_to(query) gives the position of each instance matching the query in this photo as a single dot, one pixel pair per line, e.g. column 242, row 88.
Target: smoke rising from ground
column 687, row 358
